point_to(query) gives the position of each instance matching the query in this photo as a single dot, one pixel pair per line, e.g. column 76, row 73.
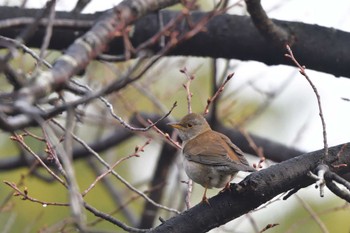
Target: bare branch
column 313, row 214
column 252, row 192
column 266, row 26
column 19, row 139
column 48, row 32
column 187, row 85
column 318, row 97
column 331, row 180
column 25, row 196
column 135, row 154
column 218, row 92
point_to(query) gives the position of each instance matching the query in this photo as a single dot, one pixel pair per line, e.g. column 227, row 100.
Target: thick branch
column 252, row 192
column 83, row 50
column 266, row 26
column 227, row 36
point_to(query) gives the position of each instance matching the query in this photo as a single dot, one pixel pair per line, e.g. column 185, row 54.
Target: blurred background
column 274, row 102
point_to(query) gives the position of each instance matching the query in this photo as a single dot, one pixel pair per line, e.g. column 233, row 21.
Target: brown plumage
column 210, row 158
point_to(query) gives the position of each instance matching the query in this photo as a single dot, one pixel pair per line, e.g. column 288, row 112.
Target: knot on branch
column 267, row 28
column 325, row 177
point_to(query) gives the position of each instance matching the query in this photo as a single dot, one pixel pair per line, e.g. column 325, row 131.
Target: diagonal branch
column 84, row 49
column 253, row 191
column 268, row 29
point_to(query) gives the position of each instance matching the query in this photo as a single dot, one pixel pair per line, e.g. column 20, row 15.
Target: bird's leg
column 204, row 198
column 227, row 187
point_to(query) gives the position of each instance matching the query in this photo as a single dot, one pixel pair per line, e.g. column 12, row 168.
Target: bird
column 210, row 158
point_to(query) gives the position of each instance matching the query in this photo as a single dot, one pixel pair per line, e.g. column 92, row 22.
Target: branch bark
column 84, row 49
column 255, row 190
column 227, row 36
column 266, row 26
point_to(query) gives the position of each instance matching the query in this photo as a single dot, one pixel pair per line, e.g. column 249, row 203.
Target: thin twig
column 253, row 223
column 126, row 125
column 258, row 149
column 48, row 33
column 217, row 93
column 122, row 206
column 313, row 214
column 189, row 95
column 121, row 121
column 19, row 139
column 25, row 196
column 189, row 190
column 318, row 97
column 115, row 174
column 269, row 226
column 187, row 85
column 52, row 153
column 135, row 154
column 115, row 193
column 302, row 221
column 109, row 218
column 26, row 49
column 166, row 136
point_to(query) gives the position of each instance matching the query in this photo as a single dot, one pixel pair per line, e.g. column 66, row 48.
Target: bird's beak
column 175, row 125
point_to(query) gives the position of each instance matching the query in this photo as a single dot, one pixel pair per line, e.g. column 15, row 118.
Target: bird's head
column 190, row 126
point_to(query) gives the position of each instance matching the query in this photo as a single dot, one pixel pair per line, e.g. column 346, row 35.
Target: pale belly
column 207, row 176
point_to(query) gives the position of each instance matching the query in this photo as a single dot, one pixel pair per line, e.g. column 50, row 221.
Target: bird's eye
column 189, row 125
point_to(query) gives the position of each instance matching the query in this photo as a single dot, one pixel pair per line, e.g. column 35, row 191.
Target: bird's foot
column 205, row 200
column 227, row 187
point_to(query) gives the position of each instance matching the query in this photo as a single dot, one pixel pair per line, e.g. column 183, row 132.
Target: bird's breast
column 206, row 175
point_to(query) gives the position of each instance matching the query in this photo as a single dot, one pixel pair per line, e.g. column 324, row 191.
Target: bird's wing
column 217, row 151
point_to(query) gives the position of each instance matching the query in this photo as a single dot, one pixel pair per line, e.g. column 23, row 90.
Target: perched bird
column 210, row 158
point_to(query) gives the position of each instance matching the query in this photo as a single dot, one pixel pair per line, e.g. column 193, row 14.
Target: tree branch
column 120, row 135
column 161, row 173
column 254, row 190
column 272, row 150
column 82, row 51
column 226, row 36
column 266, row 26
